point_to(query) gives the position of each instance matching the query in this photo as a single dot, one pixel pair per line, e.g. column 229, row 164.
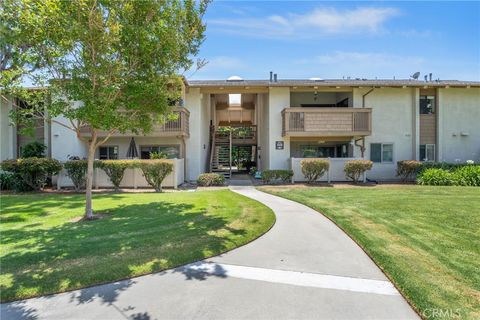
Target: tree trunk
column 89, row 184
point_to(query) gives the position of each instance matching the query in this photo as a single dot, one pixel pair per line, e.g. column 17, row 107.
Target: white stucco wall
column 124, row 142
column 459, row 124
column 193, row 102
column 7, row 132
column 391, row 123
column 278, row 99
column 64, row 142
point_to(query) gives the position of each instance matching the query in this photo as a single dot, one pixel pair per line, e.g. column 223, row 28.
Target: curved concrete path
column 303, row 268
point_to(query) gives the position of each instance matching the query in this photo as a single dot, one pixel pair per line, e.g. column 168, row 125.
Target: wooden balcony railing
column 235, row 115
column 171, row 128
column 303, row 122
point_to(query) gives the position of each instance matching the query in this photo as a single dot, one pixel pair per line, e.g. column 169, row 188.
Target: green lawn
column 45, row 249
column 426, row 239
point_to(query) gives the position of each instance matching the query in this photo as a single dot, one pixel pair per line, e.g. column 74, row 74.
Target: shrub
column 33, row 171
column 467, row 176
column 210, row 179
column 313, row 169
column 154, row 171
column 252, row 171
column 407, row 169
column 77, row 171
column 436, row 177
column 7, row 180
column 33, row 150
column 355, row 168
column 444, row 165
column 272, row 175
column 115, row 170
column 157, row 155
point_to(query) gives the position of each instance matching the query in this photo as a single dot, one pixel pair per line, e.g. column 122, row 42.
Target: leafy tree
column 111, row 66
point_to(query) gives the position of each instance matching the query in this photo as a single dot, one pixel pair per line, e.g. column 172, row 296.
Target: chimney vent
column 275, row 79
column 430, row 76
column 271, row 76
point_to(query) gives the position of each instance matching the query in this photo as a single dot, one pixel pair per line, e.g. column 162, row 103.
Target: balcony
column 171, row 128
column 335, row 122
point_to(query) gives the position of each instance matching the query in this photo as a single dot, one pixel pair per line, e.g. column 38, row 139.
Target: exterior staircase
column 221, row 154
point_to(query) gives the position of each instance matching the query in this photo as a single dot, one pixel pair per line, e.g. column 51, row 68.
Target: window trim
column 381, row 152
column 108, row 155
column 426, row 145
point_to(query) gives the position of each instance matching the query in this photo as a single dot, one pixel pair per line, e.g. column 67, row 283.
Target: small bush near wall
column 354, row 169
column 468, row 175
column 407, row 169
column 33, row 150
column 77, row 171
column 313, row 169
column 436, row 177
column 7, row 180
column 154, row 171
column 210, row 179
column 445, row 165
column 115, row 170
column 33, row 172
column 284, row 176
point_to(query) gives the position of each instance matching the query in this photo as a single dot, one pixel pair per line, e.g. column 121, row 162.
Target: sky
column 333, row 40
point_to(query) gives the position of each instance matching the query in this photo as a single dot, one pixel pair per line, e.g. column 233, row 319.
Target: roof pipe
column 271, row 76
column 363, row 97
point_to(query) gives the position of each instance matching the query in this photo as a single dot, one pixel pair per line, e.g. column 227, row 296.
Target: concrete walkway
column 303, row 268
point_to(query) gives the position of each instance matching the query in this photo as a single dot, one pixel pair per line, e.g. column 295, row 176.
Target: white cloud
column 321, row 21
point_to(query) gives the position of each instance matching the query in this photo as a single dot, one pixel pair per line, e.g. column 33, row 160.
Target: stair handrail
column 211, row 146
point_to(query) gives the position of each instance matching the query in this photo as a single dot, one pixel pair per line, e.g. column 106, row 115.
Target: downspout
column 363, row 97
column 362, row 146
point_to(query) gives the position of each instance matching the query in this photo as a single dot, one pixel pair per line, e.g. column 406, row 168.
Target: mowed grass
column 426, row 239
column 45, row 249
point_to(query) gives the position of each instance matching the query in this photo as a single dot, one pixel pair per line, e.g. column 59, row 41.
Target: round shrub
column 210, row 179
column 313, row 169
column 7, row 180
column 34, row 172
column 436, row 177
column 77, row 171
column 468, row 176
column 154, row 171
column 115, row 170
column 407, row 169
column 354, row 169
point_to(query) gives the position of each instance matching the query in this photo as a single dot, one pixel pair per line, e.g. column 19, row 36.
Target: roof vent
column 234, row 78
column 316, row 79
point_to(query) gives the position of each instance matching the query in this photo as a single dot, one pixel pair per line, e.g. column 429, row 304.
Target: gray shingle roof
column 332, row 83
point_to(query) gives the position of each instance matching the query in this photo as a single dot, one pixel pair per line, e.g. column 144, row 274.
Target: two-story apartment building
column 278, row 122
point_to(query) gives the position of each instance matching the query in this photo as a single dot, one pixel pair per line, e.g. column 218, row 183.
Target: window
column 170, row 151
column 381, row 152
column 109, row 153
column 427, row 104
column 427, row 152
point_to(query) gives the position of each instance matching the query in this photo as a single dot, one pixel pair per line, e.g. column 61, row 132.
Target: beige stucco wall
column 278, row 99
column 7, row 132
column 459, row 124
column 193, row 102
column 391, row 123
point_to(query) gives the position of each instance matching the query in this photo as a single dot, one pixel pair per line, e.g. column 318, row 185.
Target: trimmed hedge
column 34, row 150
column 269, row 176
column 115, row 170
column 34, row 172
column 445, row 166
column 313, row 169
column 407, row 169
column 210, row 179
column 77, row 171
column 154, row 171
column 355, row 168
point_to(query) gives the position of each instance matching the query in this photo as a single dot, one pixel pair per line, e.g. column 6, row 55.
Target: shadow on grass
column 130, row 240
